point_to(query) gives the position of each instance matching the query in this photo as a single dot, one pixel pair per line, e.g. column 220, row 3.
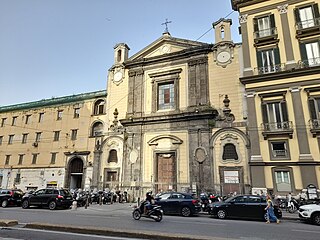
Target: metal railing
column 269, row 69
column 309, row 23
column 265, row 33
column 310, row 62
column 277, row 126
column 279, row 153
column 314, row 124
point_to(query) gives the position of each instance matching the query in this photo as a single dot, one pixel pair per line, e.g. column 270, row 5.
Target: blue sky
column 54, row 48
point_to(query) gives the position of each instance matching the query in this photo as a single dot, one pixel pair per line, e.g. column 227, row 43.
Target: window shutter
column 297, row 15
column 277, row 56
column 272, row 22
column 316, row 10
column 264, row 113
column 284, row 111
column 259, row 59
column 312, row 109
column 303, row 52
column 255, row 25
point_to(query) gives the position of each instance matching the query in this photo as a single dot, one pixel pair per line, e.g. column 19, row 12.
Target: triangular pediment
column 165, row 45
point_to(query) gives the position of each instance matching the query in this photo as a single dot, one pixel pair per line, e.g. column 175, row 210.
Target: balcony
column 265, row 36
column 279, row 153
column 308, row 27
column 314, row 127
column 269, row 69
column 311, row 62
column 277, row 129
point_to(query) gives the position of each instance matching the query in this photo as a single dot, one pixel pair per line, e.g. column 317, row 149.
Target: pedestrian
column 270, row 211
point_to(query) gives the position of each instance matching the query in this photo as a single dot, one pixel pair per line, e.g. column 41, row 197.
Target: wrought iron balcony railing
column 314, row 22
column 311, row 62
column 269, row 69
column 270, row 32
column 314, row 124
column 277, row 126
column 280, row 153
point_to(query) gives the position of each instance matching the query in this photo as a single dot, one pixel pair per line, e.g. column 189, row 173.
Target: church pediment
column 165, row 45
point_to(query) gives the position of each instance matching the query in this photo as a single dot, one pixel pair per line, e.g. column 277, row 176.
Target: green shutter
column 259, row 58
column 312, row 108
column 284, row 111
column 277, row 56
column 255, row 27
column 315, row 10
column 297, row 15
column 264, row 113
column 303, row 52
column 272, row 22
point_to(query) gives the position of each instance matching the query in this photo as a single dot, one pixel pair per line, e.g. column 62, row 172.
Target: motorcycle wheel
column 136, row 214
column 158, row 216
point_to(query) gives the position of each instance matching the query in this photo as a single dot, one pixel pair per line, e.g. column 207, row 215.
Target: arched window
column 113, row 157
column 222, row 33
column 229, row 152
column 99, row 107
column 97, row 129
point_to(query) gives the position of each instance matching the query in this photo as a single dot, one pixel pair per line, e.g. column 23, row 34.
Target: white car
column 310, row 212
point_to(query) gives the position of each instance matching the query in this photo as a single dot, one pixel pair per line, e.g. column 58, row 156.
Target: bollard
column 74, row 205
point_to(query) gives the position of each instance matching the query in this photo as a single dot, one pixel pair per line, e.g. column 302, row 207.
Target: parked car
column 178, row 203
column 10, row 197
column 48, row 197
column 310, row 212
column 243, row 206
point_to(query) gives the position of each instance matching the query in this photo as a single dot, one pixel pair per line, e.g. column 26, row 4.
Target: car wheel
column 266, row 217
column 186, row 212
column 4, row 203
column 25, row 204
column 52, row 205
column 316, row 219
column 221, row 214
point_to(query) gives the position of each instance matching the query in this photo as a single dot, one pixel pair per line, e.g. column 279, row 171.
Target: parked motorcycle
column 293, row 206
column 155, row 213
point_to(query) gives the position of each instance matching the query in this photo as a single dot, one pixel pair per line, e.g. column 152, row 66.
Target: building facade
column 281, row 52
column 51, row 143
column 176, row 118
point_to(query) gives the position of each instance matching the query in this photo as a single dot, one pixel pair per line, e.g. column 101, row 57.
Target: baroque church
column 176, row 118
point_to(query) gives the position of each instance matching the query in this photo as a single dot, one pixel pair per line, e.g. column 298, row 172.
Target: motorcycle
column 293, row 206
column 155, row 213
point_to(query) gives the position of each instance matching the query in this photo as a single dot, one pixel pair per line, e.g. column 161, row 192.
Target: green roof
column 54, row 101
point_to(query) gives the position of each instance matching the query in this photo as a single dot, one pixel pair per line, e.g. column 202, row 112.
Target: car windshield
column 64, row 192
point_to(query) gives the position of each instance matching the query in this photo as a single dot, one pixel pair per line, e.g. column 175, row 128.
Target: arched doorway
column 76, row 173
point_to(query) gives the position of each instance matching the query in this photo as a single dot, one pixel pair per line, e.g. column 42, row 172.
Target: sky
column 55, row 48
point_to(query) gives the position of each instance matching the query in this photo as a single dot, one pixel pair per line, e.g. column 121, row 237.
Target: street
column 118, row 217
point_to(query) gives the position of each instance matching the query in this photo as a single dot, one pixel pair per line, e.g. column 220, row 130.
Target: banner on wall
column 231, row 176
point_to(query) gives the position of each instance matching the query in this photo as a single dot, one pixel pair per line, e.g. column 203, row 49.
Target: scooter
column 293, row 206
column 155, row 213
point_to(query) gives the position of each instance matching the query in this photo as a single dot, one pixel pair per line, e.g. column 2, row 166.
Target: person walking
column 270, row 211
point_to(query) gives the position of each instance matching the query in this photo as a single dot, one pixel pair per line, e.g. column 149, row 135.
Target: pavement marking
column 70, row 233
column 203, row 223
column 308, row 231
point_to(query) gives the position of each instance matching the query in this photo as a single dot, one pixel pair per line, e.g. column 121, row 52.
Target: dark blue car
column 178, row 203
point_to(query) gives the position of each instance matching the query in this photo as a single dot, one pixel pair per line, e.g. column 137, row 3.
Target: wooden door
column 166, row 172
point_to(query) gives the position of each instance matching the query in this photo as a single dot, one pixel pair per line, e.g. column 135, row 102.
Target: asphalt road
column 118, row 216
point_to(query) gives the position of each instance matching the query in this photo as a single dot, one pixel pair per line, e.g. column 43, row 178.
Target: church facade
column 176, row 118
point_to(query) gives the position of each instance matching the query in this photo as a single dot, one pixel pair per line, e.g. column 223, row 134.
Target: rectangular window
column 59, row 114
column 74, row 133
column 7, row 159
column 14, row 121
column 264, row 26
column 41, row 116
column 279, row 150
column 166, row 96
column 53, row 158
column 10, row 141
column 275, row 116
column 307, row 17
column 20, row 159
column 314, row 108
column 38, row 136
column 28, row 119
column 34, row 158
column 3, row 122
column 1, row 139
column 24, row 137
column 283, row 181
column 56, row 135
column 310, row 53
column 18, row 178
column 268, row 61
column 76, row 113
